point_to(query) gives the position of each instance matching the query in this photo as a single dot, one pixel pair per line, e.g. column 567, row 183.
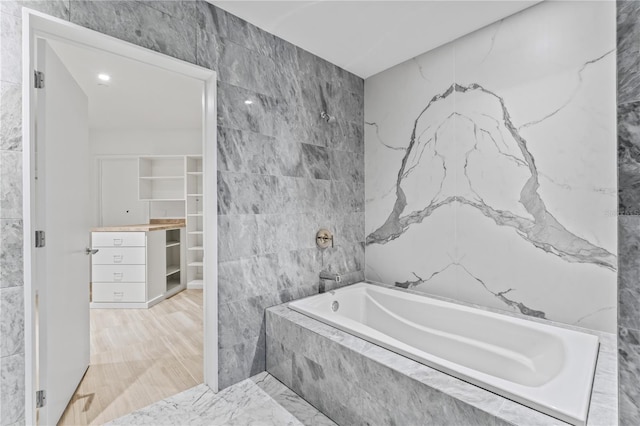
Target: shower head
column 326, row 117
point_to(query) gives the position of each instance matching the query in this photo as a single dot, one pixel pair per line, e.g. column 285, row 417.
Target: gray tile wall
column 629, row 211
column 283, row 172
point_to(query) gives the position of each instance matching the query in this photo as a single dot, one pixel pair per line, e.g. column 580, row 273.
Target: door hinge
column 41, row 398
column 40, row 239
column 38, row 79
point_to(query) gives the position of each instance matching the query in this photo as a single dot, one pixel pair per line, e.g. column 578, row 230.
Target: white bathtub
column 547, row 368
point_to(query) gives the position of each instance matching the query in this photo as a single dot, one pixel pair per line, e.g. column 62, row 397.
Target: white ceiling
column 138, row 96
column 367, row 37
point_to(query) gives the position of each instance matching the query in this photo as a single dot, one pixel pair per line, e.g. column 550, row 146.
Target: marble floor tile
column 259, row 400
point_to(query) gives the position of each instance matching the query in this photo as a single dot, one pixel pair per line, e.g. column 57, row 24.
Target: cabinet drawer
column 118, row 239
column 118, row 292
column 118, row 273
column 119, row 256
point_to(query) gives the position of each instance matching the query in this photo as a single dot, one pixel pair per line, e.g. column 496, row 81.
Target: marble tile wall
column 283, row 172
column 490, row 167
column 628, row 32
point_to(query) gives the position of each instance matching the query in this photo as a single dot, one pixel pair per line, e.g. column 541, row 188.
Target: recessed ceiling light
column 104, row 77
column 248, row 102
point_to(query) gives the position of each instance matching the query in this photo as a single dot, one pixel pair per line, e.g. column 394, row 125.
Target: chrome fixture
column 324, row 239
column 335, row 305
column 326, row 278
column 326, row 275
column 326, row 117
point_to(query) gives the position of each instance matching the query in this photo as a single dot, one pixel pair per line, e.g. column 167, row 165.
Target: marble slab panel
column 244, row 359
column 629, row 158
column 248, row 194
column 138, row 23
column 57, row 8
column 10, row 185
column 474, row 191
column 628, row 62
column 263, row 115
column 12, row 389
column 11, row 321
column 10, row 116
column 260, row 400
column 629, row 272
column 249, row 152
column 184, row 10
column 245, row 68
column 10, row 48
column 629, row 365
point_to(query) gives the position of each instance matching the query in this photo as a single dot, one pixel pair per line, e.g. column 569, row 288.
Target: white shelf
column 172, row 243
column 172, row 289
column 172, row 284
column 172, row 269
column 162, row 177
column 195, row 202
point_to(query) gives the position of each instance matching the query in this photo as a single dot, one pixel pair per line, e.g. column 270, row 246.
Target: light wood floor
column 139, row 356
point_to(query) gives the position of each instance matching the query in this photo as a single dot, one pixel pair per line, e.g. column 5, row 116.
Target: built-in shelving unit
column 161, row 182
column 173, row 186
column 174, row 260
column 194, row 204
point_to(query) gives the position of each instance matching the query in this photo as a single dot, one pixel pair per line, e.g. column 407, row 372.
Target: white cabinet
column 136, row 269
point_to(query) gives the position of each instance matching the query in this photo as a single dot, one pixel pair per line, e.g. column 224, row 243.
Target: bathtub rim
column 607, row 344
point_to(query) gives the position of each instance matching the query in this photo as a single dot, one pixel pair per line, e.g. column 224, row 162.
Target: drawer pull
column 117, row 241
column 117, row 258
column 117, row 276
column 118, row 295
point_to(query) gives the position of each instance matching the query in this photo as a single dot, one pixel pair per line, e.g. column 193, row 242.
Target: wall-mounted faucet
column 326, row 275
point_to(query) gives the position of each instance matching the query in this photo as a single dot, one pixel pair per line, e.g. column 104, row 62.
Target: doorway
column 57, row 323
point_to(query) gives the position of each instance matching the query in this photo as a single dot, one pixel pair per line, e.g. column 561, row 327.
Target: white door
column 63, row 212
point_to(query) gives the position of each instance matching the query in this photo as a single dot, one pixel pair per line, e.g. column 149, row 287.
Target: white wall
column 107, row 144
column 490, row 167
column 145, row 142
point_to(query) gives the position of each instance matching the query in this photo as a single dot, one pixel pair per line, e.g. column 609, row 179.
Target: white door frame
column 38, row 25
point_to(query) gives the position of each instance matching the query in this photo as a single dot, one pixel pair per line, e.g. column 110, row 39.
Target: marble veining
column 10, row 116
column 628, row 58
column 472, row 189
column 628, row 29
column 12, row 389
column 139, row 23
column 11, row 321
column 260, row 400
column 629, row 158
column 11, row 261
column 628, row 356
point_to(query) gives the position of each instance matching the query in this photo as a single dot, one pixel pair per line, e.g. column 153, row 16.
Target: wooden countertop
column 155, row 225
